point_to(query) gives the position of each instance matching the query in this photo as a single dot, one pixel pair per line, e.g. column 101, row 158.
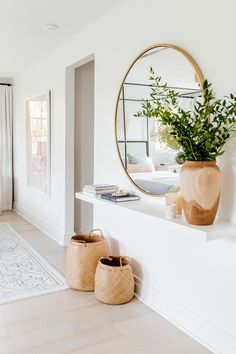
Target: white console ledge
column 219, row 230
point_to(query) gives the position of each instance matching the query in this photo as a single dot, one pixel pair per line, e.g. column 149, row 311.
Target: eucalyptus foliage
column 201, row 132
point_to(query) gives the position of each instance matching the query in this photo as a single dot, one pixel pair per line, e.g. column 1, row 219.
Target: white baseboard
column 206, row 333
column 41, row 224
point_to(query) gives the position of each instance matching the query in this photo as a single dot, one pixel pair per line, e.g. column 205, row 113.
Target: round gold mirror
column 147, row 150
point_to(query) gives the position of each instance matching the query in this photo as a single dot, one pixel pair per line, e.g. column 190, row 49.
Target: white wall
column 189, row 281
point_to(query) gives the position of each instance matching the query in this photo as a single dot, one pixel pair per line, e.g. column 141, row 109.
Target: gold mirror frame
column 200, row 79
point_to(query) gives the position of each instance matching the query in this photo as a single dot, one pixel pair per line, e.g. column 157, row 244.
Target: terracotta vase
column 200, row 190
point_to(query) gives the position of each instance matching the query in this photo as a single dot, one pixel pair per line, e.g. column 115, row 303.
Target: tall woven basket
column 114, row 280
column 82, row 256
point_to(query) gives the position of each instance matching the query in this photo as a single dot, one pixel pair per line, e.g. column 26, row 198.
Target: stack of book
column 120, row 198
column 96, row 190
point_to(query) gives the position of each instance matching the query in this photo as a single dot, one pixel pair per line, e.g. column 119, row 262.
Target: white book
column 96, row 193
column 91, row 194
column 98, row 187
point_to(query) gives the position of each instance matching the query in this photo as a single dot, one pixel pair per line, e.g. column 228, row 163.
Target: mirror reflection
column 149, row 154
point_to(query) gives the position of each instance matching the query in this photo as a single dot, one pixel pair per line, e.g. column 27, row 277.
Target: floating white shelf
column 221, row 229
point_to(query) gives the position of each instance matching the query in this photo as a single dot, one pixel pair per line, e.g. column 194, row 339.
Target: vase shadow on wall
column 227, row 164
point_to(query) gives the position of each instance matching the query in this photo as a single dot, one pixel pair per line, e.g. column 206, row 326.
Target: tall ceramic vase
column 200, row 190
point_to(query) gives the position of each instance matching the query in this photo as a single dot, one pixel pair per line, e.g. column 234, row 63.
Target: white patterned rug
column 23, row 271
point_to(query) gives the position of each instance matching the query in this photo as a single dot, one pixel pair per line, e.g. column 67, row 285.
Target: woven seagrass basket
column 82, row 256
column 114, row 280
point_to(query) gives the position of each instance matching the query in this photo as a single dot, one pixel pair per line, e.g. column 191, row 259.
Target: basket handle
column 92, row 231
column 82, row 241
column 111, row 257
column 124, row 257
column 121, row 258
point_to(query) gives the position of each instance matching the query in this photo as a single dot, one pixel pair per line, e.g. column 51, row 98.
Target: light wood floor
column 74, row 322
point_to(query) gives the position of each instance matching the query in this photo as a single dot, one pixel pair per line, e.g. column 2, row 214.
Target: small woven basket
column 114, row 280
column 82, row 256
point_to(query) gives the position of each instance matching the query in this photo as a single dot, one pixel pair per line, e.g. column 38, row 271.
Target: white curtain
column 5, row 148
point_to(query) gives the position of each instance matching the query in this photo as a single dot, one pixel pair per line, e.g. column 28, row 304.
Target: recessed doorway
column 84, row 140
column 79, row 143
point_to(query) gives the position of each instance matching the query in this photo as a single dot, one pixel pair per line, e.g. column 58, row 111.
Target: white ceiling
column 22, row 37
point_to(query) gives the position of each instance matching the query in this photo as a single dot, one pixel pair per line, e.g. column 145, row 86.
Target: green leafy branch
column 201, row 132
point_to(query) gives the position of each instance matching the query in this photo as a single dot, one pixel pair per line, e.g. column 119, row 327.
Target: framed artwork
column 38, row 123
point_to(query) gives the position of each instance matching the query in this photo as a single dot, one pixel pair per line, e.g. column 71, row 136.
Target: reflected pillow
column 145, row 160
column 141, row 164
column 138, row 168
column 131, row 159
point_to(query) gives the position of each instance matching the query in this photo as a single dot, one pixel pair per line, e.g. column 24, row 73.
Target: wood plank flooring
column 76, row 323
